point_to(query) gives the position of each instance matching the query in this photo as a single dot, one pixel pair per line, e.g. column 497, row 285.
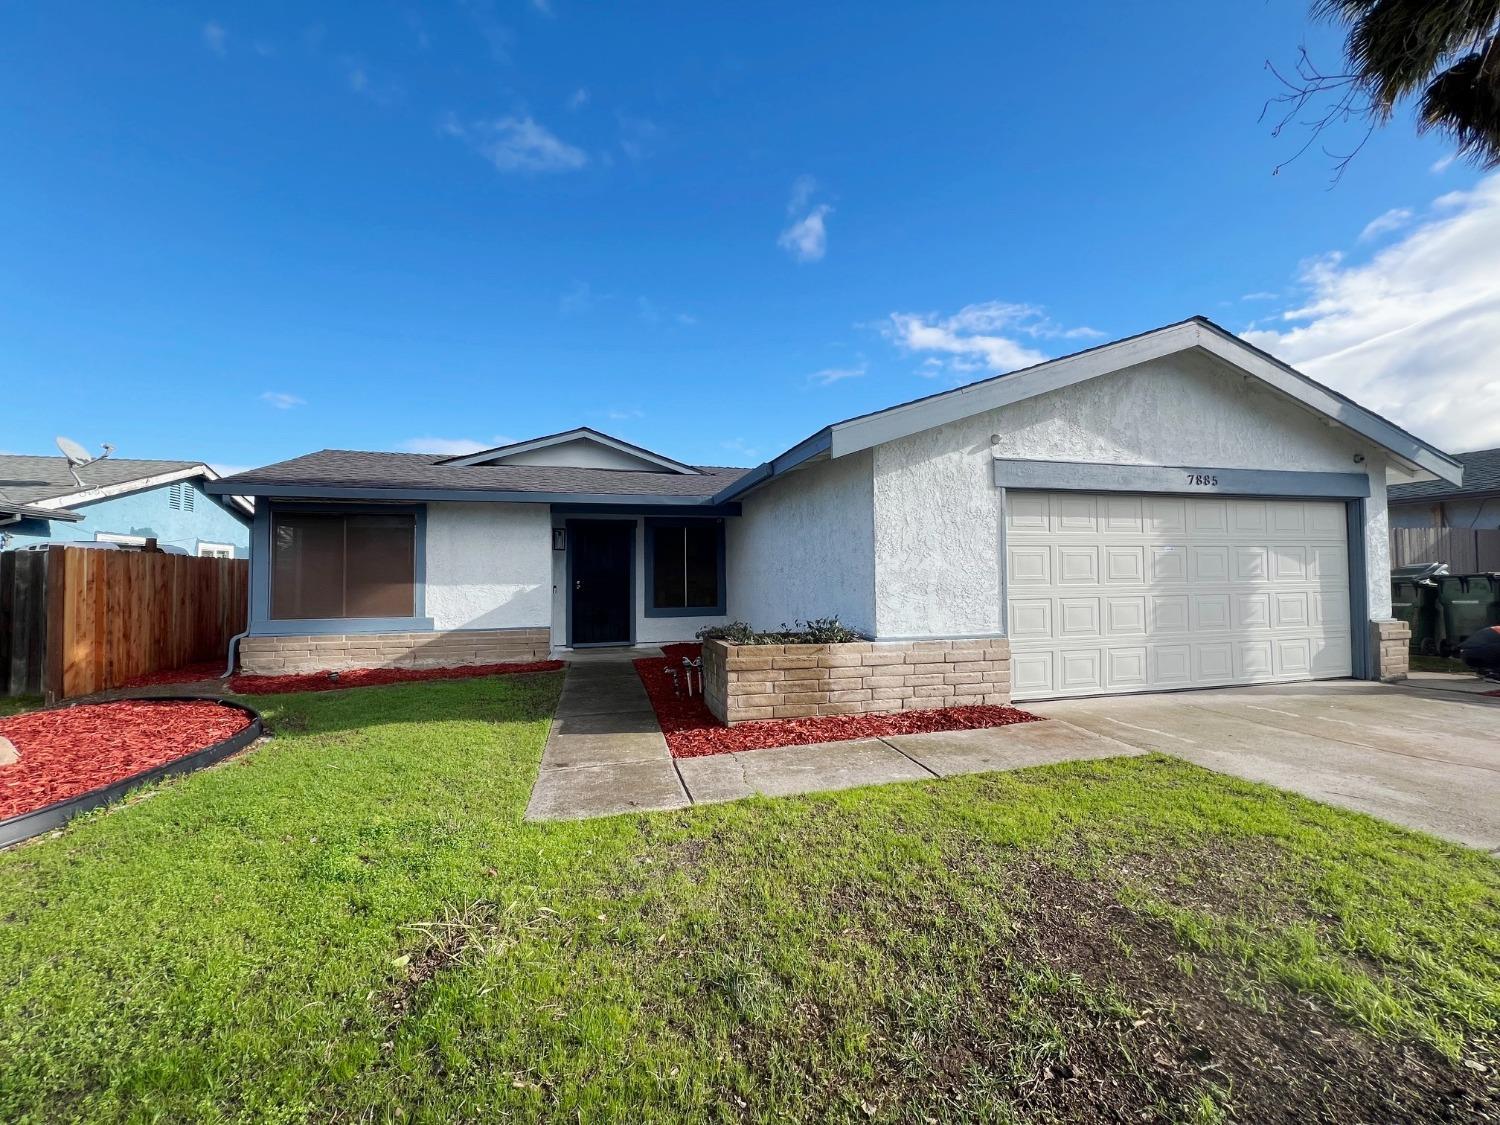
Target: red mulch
column 692, row 731
column 376, row 677
column 72, row 750
column 187, row 674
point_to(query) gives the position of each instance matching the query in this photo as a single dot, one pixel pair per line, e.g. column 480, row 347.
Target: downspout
column 234, row 643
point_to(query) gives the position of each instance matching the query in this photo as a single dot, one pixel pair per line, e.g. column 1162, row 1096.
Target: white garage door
column 1126, row 593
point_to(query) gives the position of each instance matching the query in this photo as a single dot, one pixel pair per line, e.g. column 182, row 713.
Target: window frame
column 207, row 550
column 649, row 607
column 262, row 567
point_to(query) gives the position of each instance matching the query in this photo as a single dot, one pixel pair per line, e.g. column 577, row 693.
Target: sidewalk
column 606, row 755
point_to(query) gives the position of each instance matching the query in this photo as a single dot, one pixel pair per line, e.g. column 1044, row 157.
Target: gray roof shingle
column 25, row 480
column 347, row 468
column 1481, row 474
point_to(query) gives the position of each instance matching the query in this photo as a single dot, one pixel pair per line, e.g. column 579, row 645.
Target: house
column 1176, row 509
column 1474, row 503
column 121, row 501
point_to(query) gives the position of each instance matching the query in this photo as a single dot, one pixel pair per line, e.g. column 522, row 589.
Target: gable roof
column 424, row 476
column 579, row 433
column 1481, row 476
column 866, row 430
column 45, row 488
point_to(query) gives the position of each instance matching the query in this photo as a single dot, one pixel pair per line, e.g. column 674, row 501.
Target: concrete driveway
column 1425, row 759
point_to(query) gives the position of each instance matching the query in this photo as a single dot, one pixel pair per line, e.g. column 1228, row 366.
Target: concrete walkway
column 605, row 753
column 1414, row 755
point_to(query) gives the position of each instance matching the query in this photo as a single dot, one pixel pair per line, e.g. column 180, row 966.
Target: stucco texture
column 937, row 511
column 804, row 547
column 489, row 566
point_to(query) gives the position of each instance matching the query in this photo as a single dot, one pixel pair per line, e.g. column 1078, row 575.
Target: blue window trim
column 262, row 624
column 650, row 610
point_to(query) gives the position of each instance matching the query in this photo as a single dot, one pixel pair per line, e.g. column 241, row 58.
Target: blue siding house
column 120, row 501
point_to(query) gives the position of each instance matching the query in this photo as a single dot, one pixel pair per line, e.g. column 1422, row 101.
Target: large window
column 687, row 566
column 335, row 565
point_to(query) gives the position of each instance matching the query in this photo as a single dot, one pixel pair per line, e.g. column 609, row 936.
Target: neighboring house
column 120, row 501
column 1439, row 503
column 1177, row 509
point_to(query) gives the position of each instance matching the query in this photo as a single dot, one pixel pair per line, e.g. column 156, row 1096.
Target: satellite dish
column 78, row 456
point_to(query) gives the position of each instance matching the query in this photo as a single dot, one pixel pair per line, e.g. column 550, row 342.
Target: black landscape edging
column 25, row 825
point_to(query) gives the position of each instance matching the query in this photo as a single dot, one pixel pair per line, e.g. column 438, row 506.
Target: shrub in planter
column 818, row 631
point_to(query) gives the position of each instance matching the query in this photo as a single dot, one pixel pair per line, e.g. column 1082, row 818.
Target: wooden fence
column 1465, row 550
column 81, row 620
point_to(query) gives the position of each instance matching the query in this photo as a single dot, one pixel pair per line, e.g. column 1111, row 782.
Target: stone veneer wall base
column 746, row 682
column 274, row 656
column 1392, row 641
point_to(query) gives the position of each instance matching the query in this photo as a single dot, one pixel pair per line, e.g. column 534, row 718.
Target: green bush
column 818, row 631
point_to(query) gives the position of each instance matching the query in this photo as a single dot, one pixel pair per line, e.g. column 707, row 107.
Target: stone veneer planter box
column 745, row 682
column 274, row 656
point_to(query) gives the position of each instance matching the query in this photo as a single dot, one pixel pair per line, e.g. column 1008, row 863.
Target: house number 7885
column 1203, row 479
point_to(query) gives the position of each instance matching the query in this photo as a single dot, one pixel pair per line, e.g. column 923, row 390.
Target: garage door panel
column 1208, row 517
column 1126, row 668
column 1078, row 566
column 1078, row 617
column 1209, row 564
column 1029, row 566
column 1031, row 617
column 1118, row 593
column 1074, row 515
column 1169, row 563
column 1125, row 616
column 1125, row 565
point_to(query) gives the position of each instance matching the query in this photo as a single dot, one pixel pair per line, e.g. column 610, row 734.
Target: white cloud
column 215, row 37
column 980, row 338
column 578, row 98
column 740, row 448
column 802, row 192
column 624, row 413
column 453, row 447
column 638, row 136
column 1413, row 333
column 1392, row 220
column 542, row 6
column 518, row 144
column 1260, row 295
column 806, row 238
column 1442, row 164
column 225, row 470
column 281, row 400
column 830, row 375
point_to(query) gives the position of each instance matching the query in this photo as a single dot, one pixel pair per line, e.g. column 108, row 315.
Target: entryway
column 601, row 554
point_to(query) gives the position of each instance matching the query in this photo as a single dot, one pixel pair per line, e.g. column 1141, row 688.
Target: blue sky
column 241, row 233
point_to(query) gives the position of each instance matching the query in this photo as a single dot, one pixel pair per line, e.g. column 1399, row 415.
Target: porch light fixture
column 559, row 539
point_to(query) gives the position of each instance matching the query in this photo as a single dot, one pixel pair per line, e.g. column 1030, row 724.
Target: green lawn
column 353, row 923
column 15, row 704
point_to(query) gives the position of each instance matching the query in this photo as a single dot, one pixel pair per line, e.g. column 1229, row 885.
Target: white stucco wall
column 937, row 511
column 804, row 547
column 489, row 566
column 581, row 454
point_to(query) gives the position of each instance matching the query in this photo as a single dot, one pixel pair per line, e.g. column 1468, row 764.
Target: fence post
column 55, row 644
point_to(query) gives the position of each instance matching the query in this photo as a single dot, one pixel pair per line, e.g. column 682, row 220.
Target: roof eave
column 923, row 414
column 311, row 491
column 609, row 441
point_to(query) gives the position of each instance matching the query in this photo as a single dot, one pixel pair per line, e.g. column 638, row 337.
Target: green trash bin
column 1492, row 607
column 1463, row 599
column 1427, row 618
column 1404, row 601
